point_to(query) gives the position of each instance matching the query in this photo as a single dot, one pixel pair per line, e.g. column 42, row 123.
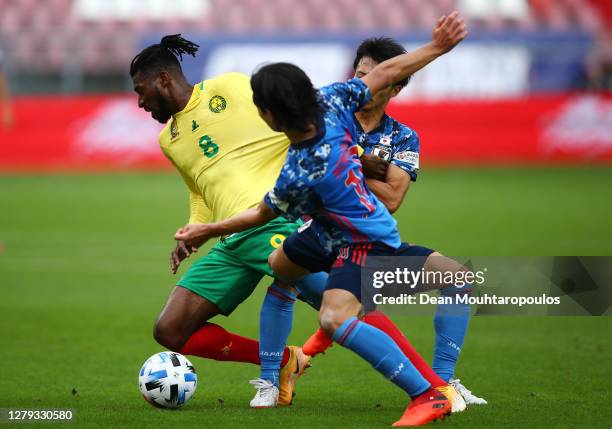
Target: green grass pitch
column 84, row 272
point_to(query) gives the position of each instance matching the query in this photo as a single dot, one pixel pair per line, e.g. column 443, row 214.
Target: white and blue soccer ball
column 167, row 380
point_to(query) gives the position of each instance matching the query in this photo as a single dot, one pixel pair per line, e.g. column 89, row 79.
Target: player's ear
column 164, row 78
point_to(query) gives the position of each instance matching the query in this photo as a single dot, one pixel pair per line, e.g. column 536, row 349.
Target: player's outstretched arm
column 448, row 32
column 197, row 235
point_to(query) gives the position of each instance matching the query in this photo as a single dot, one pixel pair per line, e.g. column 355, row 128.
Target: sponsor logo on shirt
column 408, row 156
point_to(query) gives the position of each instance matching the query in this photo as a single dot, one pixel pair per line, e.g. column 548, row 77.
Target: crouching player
column 322, row 178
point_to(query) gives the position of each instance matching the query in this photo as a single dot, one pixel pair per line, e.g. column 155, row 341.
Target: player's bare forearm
column 392, row 190
column 196, row 235
column 448, row 32
column 384, row 193
column 251, row 218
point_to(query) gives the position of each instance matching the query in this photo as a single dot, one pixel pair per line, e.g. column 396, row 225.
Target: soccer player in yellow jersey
column 228, row 158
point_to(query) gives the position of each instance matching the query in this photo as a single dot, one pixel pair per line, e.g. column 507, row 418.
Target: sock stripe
column 348, row 331
column 280, row 295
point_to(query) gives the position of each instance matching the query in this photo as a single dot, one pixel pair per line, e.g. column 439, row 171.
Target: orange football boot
column 425, row 408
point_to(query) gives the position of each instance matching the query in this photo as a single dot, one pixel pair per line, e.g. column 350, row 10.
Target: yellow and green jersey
column 227, row 155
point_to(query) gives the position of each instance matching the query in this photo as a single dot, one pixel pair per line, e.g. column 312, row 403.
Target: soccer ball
column 167, row 380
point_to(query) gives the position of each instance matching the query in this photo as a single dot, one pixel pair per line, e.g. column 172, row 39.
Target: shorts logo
column 277, row 240
column 305, row 226
column 343, row 255
column 217, row 104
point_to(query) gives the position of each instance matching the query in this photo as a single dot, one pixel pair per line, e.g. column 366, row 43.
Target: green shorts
column 229, row 273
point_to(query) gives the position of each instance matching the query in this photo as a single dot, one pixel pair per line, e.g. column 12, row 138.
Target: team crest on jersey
column 385, row 141
column 382, row 152
column 217, row 104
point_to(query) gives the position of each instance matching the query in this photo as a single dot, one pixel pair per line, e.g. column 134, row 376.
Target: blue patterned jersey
column 322, row 178
column 394, row 142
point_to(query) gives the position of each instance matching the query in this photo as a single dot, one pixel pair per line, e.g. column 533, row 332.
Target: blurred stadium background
column 516, row 142
column 530, row 85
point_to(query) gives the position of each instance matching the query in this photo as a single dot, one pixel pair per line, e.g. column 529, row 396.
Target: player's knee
column 167, row 337
column 275, row 260
column 331, row 319
column 326, row 321
column 272, row 259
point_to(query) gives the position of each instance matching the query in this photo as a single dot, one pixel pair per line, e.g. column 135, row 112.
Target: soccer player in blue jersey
column 322, row 177
column 391, row 162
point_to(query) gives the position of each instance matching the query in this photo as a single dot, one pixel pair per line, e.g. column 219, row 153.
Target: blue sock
column 450, row 322
column 275, row 322
column 382, row 353
column 311, row 288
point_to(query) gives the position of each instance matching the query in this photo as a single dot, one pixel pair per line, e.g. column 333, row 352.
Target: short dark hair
column 286, row 91
column 163, row 55
column 380, row 49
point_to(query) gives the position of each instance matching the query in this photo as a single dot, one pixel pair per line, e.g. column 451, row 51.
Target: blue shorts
column 303, row 248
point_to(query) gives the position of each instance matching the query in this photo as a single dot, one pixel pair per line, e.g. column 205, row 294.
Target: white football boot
column 266, row 396
column 457, row 402
column 468, row 396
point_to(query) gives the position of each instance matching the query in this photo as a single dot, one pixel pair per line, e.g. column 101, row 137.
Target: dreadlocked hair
column 163, row 55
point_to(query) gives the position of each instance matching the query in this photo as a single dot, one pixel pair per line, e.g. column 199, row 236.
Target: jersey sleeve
column 406, row 154
column 285, row 189
column 198, row 210
column 346, row 96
